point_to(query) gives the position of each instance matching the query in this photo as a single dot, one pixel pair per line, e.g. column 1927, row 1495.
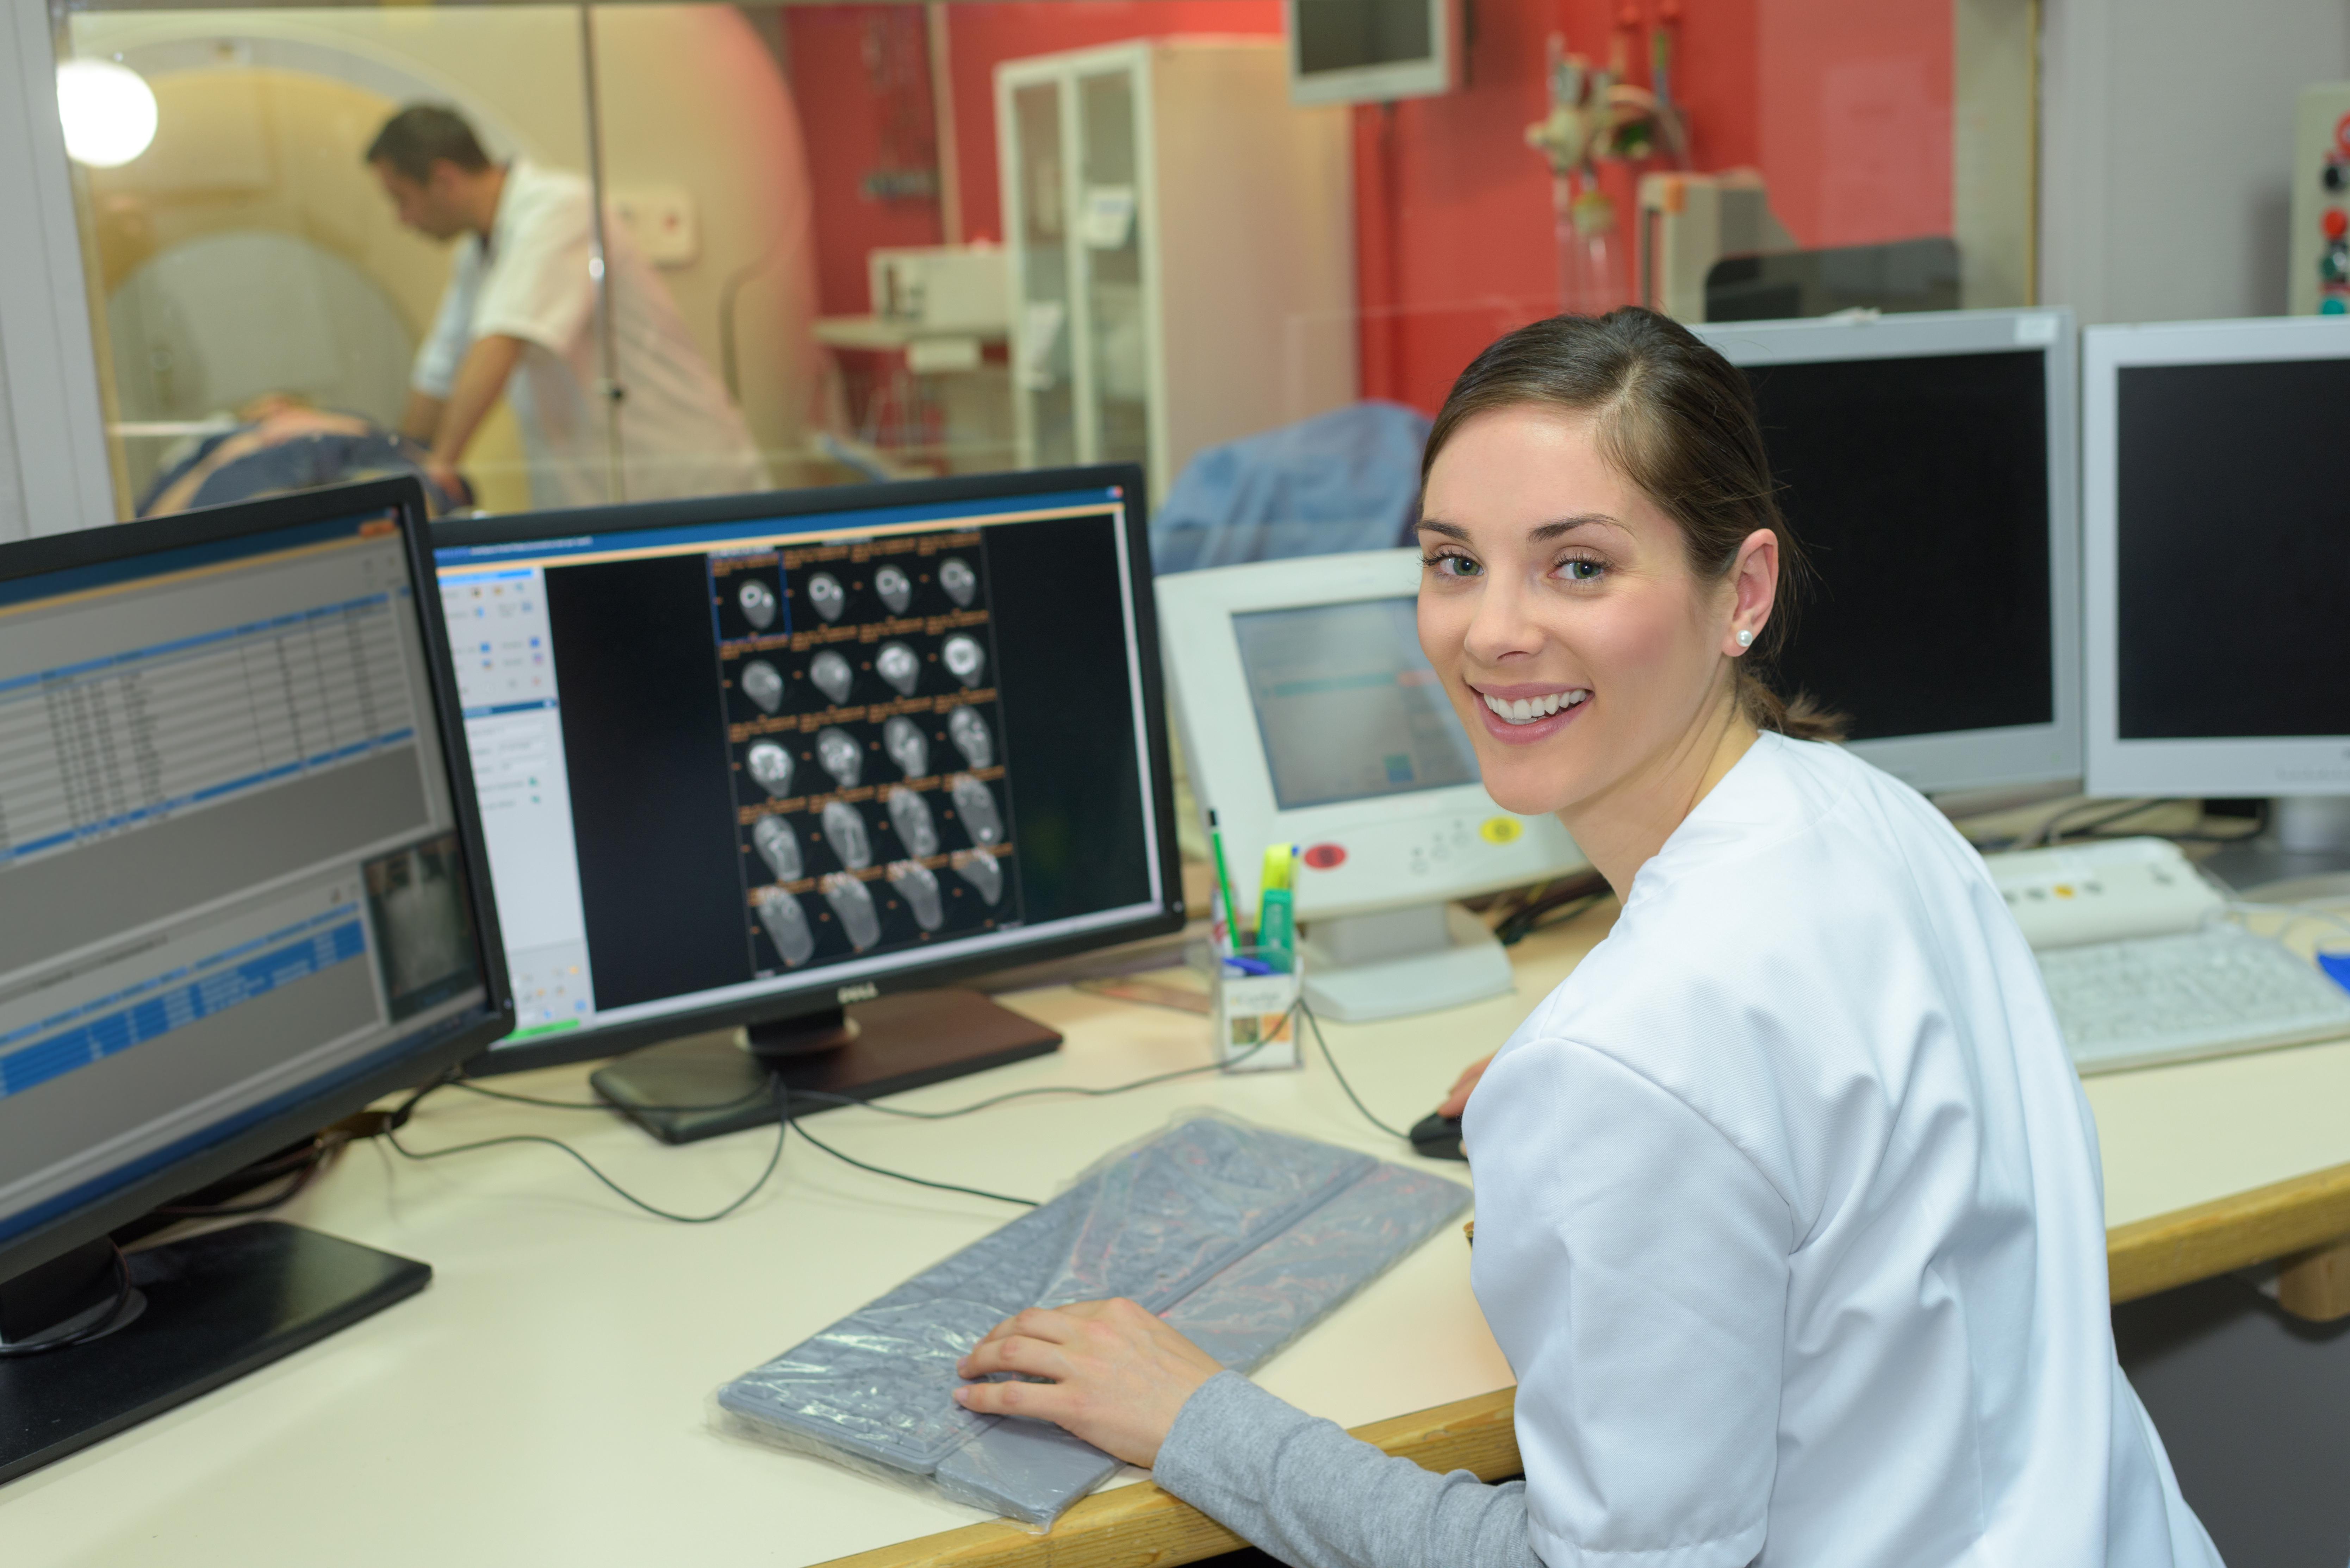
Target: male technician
column 519, row 319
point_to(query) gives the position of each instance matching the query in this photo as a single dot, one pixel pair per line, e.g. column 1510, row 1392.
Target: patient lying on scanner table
column 284, row 444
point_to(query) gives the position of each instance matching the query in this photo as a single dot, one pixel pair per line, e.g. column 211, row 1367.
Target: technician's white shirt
column 679, row 433
column 1789, row 1215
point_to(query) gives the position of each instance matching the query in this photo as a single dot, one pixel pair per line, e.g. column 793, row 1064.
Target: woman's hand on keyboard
column 1115, row 1374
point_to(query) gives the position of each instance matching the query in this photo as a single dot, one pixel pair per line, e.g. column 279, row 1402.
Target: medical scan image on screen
column 862, row 716
column 726, row 759
column 237, row 739
column 1348, row 706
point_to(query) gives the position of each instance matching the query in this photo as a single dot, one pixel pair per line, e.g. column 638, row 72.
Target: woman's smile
column 1520, row 714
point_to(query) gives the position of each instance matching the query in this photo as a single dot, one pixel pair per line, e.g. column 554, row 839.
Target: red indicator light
column 1324, row 857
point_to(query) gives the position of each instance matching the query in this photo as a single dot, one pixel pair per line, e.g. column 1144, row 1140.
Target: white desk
column 545, row 1399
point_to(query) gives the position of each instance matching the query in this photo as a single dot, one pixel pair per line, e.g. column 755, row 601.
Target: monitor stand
column 209, row 1310
column 692, row 1089
column 1361, row 968
column 2303, row 853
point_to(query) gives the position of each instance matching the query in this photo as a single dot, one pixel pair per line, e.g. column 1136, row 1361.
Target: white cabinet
column 1181, row 249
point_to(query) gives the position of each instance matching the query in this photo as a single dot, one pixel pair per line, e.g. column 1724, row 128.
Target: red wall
column 1845, row 105
column 1860, row 152
column 853, row 109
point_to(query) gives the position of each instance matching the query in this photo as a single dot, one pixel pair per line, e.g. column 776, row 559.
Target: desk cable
column 117, row 1309
column 395, row 1120
column 787, row 1123
column 2067, row 824
column 1349, row 1088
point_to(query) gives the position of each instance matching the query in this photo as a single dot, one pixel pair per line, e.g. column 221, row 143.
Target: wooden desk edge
column 1140, row 1526
column 2146, row 1256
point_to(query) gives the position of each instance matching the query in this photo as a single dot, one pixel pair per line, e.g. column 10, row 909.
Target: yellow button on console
column 1502, row 830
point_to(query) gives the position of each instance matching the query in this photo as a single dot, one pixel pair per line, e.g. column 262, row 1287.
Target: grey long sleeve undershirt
column 1301, row 1489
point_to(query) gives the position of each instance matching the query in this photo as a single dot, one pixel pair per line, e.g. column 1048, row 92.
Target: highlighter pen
column 1225, row 884
column 1274, row 927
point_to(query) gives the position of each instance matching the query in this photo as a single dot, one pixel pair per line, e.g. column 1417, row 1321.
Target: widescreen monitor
column 243, row 898
column 2217, row 540
column 1927, row 464
column 755, row 760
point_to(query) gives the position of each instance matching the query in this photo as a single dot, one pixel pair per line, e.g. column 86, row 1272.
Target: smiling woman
column 1633, row 619
column 1787, row 1212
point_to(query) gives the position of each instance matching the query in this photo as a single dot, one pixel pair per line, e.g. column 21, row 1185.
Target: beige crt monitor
column 1310, row 716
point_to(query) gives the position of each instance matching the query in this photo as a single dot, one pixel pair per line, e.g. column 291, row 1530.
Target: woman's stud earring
column 1745, row 638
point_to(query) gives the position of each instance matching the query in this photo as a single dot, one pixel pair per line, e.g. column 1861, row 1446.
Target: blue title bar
column 751, row 532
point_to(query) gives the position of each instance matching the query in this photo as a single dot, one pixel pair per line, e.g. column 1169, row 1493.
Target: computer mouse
column 1437, row 1138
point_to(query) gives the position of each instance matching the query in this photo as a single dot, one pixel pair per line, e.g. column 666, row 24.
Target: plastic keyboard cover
column 1242, row 1238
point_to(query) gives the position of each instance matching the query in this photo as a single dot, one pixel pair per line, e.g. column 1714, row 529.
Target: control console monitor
column 243, row 899
column 1309, row 716
column 757, row 760
column 1926, row 462
column 2217, row 537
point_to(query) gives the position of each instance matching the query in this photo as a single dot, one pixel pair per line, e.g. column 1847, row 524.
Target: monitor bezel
column 1935, row 762
column 1431, row 77
column 2219, row 765
column 435, row 1050
column 597, row 1043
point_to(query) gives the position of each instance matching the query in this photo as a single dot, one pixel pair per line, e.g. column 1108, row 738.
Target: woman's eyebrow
column 1540, row 535
column 1549, row 531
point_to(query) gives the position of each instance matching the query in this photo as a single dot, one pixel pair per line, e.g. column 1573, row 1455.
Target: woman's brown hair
column 1678, row 420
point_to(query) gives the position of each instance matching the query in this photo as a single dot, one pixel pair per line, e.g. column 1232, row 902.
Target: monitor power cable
column 395, row 1120
column 788, row 1122
column 117, row 1308
column 390, row 1123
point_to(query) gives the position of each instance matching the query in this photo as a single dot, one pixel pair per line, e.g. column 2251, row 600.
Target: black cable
column 473, row 1087
column 116, row 1311
column 2049, row 832
column 1542, row 915
column 1572, row 894
column 1335, row 1073
column 792, row 1123
column 296, row 1180
column 787, row 1123
column 830, row 1098
column 994, row 1100
column 399, row 1118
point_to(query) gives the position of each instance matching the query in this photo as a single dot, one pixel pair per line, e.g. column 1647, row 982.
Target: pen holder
column 1254, row 1015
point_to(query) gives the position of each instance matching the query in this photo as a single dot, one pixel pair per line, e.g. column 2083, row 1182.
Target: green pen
column 1225, row 884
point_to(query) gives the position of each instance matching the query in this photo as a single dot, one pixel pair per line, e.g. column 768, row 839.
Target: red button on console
column 1324, row 857
column 2336, row 223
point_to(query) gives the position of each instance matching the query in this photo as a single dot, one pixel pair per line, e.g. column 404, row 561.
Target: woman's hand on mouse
column 1457, row 1101
column 1115, row 1374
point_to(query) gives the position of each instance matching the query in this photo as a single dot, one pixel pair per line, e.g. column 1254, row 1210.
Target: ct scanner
column 248, row 250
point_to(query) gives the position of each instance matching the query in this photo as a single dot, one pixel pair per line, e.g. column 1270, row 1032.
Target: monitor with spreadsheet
column 1926, row 463
column 240, row 877
column 748, row 758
